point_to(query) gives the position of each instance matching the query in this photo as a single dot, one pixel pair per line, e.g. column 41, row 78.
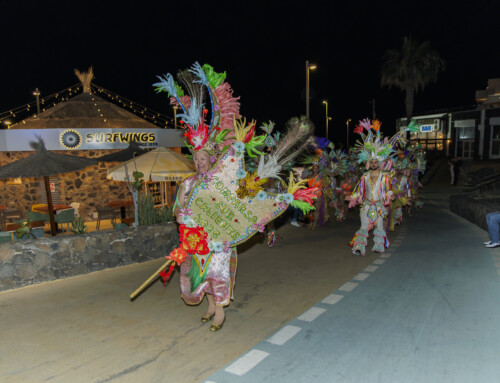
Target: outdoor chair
column 75, row 206
column 66, row 216
column 11, row 215
column 5, row 237
column 105, row 213
column 36, row 216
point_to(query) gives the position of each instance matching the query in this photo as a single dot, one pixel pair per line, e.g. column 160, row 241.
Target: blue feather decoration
column 193, row 114
column 197, row 70
column 166, row 84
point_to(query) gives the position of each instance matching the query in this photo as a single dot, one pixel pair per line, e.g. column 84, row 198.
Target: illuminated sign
column 426, row 128
column 99, row 138
column 89, row 139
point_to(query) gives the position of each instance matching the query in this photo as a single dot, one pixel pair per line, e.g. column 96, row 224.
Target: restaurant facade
column 85, row 125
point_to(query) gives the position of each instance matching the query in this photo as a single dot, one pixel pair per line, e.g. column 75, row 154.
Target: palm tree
column 410, row 69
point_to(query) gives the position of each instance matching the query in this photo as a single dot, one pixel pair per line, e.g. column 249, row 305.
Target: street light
column 36, row 93
column 347, row 123
column 308, row 68
column 175, row 116
column 326, row 116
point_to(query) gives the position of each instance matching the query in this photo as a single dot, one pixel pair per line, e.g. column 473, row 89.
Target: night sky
column 262, row 46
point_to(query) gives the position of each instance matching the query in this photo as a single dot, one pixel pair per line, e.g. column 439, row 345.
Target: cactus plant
column 79, row 226
column 148, row 214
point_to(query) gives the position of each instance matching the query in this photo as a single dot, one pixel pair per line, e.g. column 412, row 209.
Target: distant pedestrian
column 451, row 164
column 493, row 222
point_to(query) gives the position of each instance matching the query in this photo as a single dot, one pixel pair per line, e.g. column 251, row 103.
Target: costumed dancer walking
column 318, row 178
column 223, row 204
column 401, row 192
column 373, row 190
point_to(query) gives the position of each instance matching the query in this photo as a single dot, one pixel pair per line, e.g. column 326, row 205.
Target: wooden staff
column 150, row 279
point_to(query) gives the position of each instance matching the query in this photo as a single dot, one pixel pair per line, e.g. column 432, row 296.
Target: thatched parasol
column 44, row 164
column 133, row 150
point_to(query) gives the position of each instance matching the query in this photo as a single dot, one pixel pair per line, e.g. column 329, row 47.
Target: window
column 466, row 133
column 495, row 141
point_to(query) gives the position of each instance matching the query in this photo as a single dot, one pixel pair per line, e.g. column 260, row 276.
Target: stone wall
column 89, row 187
column 474, row 208
column 45, row 259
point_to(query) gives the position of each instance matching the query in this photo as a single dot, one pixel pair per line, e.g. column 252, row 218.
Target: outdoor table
column 122, row 204
column 45, row 209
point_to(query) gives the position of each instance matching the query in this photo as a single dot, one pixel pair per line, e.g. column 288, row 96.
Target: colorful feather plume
column 228, row 106
column 192, row 115
column 269, row 168
column 166, row 84
column 197, row 70
column 214, row 78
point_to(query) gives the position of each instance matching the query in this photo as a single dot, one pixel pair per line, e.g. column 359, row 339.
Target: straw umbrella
column 131, row 151
column 44, row 164
column 160, row 164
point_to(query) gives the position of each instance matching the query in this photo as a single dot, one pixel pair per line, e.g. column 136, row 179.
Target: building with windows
column 469, row 132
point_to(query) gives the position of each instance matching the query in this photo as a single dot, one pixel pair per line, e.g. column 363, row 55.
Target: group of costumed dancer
column 246, row 178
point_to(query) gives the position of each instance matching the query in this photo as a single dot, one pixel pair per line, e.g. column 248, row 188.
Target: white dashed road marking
column 332, row 299
column 385, row 255
column 348, row 286
column 283, row 335
column 247, row 362
column 371, row 268
column 379, row 261
column 361, row 276
column 311, row 314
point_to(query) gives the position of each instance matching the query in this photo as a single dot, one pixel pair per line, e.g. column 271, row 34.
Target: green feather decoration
column 251, row 146
column 178, row 89
column 222, row 135
column 196, row 277
column 302, row 205
column 214, row 78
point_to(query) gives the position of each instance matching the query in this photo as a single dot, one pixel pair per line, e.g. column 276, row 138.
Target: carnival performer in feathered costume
column 373, row 190
column 318, row 163
column 223, row 191
column 417, row 166
column 341, row 182
column 401, row 196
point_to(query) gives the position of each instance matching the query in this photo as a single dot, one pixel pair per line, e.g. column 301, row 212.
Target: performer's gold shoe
column 216, row 327
column 206, row 318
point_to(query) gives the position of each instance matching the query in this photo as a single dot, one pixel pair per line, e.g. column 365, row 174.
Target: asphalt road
column 428, row 312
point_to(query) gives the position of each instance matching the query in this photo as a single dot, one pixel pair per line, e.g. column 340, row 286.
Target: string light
column 63, row 95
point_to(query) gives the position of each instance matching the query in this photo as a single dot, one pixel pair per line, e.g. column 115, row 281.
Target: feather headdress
column 373, row 145
column 207, row 125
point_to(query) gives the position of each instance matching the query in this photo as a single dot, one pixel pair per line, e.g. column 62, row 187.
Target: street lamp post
column 175, row 116
column 326, row 116
column 308, row 68
column 347, row 123
column 36, row 93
